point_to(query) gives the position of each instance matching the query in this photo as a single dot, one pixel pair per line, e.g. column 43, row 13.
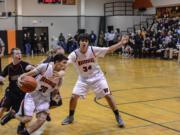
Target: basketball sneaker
column 21, row 128
column 120, row 122
column 68, row 120
column 7, row 117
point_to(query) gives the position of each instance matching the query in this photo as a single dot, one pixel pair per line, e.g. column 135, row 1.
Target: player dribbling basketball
column 49, row 80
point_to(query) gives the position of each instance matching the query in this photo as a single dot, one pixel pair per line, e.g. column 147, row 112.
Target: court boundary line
column 107, row 131
column 139, row 117
column 151, row 100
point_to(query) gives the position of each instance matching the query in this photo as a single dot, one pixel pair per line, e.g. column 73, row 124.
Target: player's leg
column 2, row 110
column 42, row 109
column 80, row 90
column 114, row 108
column 41, row 118
column 6, row 105
column 5, row 102
column 101, row 89
column 15, row 103
column 72, row 106
column 25, row 113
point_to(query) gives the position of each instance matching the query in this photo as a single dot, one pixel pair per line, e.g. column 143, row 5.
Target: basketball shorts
column 11, row 100
column 97, row 83
column 31, row 105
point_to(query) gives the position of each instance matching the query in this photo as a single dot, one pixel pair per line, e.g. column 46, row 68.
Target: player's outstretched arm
column 123, row 41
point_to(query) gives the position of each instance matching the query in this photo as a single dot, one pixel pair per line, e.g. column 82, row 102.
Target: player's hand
column 20, row 81
column 29, row 67
column 124, row 39
column 2, row 79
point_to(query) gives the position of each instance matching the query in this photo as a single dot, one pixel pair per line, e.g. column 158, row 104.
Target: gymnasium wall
column 7, row 23
column 66, row 25
column 123, row 22
column 47, row 9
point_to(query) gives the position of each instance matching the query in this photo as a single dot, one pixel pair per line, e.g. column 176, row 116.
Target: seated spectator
column 146, row 47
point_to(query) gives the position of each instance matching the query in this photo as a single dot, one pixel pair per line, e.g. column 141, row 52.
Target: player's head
column 59, row 50
column 55, row 51
column 84, row 39
column 16, row 54
column 60, row 62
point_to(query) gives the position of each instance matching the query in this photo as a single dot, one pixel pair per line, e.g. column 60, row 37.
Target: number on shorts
column 43, row 89
column 85, row 69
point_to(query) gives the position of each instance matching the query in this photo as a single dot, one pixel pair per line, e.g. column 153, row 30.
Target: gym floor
column 147, row 92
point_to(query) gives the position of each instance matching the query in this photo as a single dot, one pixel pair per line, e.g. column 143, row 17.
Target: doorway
column 38, row 39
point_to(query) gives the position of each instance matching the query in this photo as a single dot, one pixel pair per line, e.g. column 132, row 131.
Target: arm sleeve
column 100, row 51
column 72, row 57
column 40, row 68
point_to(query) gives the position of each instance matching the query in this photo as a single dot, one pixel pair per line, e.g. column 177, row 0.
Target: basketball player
column 84, row 60
column 49, row 80
column 53, row 53
column 55, row 99
column 13, row 95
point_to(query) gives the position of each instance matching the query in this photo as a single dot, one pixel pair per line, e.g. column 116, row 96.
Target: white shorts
column 30, row 105
column 97, row 83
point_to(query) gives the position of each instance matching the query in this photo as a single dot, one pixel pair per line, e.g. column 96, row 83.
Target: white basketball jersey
column 46, row 82
column 87, row 64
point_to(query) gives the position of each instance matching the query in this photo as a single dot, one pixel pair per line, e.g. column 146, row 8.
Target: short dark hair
column 59, row 57
column 84, row 36
column 14, row 49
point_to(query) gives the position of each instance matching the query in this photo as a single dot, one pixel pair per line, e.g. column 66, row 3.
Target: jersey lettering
column 91, row 60
column 44, row 79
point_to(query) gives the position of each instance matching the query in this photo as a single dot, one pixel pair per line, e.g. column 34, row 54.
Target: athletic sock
column 71, row 112
column 116, row 112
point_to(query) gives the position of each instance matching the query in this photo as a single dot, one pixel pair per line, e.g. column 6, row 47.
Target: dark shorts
column 11, row 100
column 56, row 100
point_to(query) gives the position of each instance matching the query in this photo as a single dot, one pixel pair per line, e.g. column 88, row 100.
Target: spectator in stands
column 106, row 38
column 61, row 38
column 138, row 44
column 34, row 44
column 111, row 38
column 92, row 38
column 101, row 39
column 27, row 38
column 76, row 36
column 62, row 42
column 146, row 47
column 42, row 42
column 153, row 47
column 71, row 44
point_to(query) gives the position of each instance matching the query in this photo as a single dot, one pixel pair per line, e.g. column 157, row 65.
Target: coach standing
column 2, row 49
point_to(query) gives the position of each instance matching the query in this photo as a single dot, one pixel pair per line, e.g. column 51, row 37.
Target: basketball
column 29, row 84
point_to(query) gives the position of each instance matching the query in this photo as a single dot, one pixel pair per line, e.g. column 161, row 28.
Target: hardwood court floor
column 147, row 92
